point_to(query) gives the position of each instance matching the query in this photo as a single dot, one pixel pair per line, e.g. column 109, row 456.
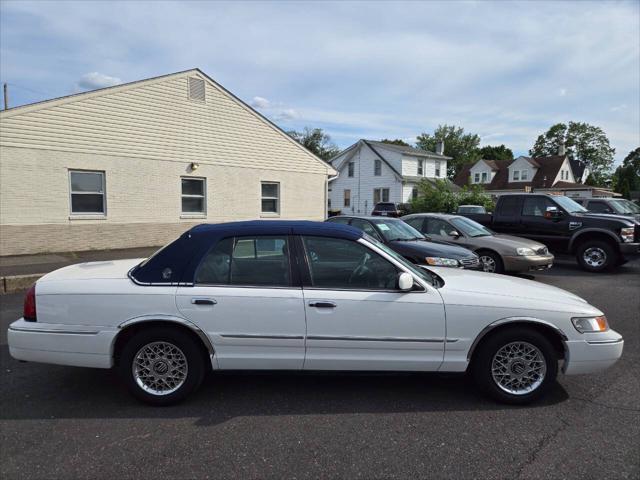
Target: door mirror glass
column 454, row 233
column 552, row 213
column 405, row 281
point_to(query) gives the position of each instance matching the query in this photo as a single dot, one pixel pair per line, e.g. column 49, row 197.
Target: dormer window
column 484, row 177
column 476, row 178
column 516, row 175
column 524, row 175
column 437, row 175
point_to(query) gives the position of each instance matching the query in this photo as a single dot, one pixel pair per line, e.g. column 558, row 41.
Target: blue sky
column 504, row 70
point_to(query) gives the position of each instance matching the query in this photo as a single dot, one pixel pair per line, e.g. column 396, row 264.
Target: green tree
column 626, row 178
column 318, row 142
column 583, row 142
column 491, row 152
column 440, row 197
column 461, row 147
column 397, row 141
column 475, row 195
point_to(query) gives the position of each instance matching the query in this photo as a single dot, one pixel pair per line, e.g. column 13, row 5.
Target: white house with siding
column 370, row 172
column 138, row 164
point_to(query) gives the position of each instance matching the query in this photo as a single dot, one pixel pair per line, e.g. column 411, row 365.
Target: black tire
column 596, row 256
column 161, row 339
column 495, row 261
column 487, row 350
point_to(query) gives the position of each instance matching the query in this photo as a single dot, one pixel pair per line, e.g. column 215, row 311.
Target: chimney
column 440, row 148
column 561, row 150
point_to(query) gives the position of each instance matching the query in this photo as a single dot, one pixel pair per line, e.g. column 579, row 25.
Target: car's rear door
column 247, row 298
column 357, row 319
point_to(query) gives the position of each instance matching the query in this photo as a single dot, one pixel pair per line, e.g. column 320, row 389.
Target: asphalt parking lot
column 64, row 422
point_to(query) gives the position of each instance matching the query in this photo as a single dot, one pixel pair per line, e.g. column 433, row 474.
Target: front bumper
column 525, row 263
column 595, row 352
column 76, row 345
column 630, row 249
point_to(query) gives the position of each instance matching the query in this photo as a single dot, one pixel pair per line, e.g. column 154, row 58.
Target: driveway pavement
column 64, row 422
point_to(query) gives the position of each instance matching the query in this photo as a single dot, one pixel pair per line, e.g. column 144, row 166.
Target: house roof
column 105, row 90
column 578, row 167
column 548, row 168
column 407, row 150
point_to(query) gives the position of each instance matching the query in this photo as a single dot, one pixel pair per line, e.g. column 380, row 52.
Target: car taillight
column 29, row 313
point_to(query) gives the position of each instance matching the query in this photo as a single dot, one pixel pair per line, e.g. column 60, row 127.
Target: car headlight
column 525, row 251
column 627, row 234
column 591, row 324
column 441, row 262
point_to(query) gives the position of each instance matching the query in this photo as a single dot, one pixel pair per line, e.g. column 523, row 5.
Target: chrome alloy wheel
column 160, row 368
column 518, row 368
column 488, row 263
column 595, row 257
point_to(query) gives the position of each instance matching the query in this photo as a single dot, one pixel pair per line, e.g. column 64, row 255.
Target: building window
column 87, row 192
column 420, row 167
column 194, row 196
column 437, row 174
column 377, row 168
column 414, row 193
column 347, row 198
column 350, row 167
column 270, row 197
column 484, row 177
column 516, row 175
column 476, row 178
column 524, row 175
column 380, row 195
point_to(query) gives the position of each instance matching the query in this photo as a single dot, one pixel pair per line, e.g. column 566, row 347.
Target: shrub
column 439, row 197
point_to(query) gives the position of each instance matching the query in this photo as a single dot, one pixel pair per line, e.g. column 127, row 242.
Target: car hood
column 508, row 242
column 609, row 216
column 424, row 248
column 111, row 269
column 461, row 284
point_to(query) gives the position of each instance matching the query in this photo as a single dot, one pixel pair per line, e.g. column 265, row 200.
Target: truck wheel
column 491, row 262
column 596, row 256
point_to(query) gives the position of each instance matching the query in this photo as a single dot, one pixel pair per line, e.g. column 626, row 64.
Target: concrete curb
column 16, row 283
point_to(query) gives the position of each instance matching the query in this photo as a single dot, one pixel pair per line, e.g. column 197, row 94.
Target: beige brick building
column 137, row 164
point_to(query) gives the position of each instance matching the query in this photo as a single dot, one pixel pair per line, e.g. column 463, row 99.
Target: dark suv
column 613, row 206
column 387, row 209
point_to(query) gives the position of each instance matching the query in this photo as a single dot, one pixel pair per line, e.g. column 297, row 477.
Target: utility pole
column 6, row 96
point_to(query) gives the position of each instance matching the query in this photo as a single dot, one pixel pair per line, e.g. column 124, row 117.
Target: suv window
column 536, row 206
column 366, row 227
column 385, row 207
column 509, row 205
column 251, row 261
column 337, row 263
column 599, row 207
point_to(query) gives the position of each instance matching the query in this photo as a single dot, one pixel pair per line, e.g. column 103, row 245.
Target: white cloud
column 260, row 102
column 562, row 92
column 286, row 114
column 93, row 80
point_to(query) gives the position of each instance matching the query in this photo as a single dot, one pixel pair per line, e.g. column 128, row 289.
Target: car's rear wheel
column 491, row 262
column 596, row 256
column 515, row 366
column 161, row 366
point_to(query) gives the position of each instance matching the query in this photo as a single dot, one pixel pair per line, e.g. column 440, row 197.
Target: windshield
column 397, row 230
column 470, row 228
column 624, row 206
column 429, row 277
column 569, row 205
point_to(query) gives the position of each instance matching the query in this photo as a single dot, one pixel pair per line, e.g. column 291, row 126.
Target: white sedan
column 280, row 295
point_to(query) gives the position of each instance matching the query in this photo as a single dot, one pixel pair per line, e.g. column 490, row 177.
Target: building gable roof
column 407, row 150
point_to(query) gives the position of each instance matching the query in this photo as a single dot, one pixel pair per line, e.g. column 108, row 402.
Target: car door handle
column 203, row 301
column 322, row 304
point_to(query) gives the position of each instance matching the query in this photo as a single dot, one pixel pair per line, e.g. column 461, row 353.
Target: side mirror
column 454, row 233
column 552, row 213
column 405, row 281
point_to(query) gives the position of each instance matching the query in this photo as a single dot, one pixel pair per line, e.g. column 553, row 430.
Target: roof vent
column 196, row 89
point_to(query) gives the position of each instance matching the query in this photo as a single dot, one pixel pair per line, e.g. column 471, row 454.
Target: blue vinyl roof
column 277, row 227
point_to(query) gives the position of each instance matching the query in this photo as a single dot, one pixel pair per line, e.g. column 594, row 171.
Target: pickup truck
column 599, row 241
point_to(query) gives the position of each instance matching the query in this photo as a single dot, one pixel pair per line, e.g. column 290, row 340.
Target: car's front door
column 246, row 299
column 357, row 319
column 554, row 233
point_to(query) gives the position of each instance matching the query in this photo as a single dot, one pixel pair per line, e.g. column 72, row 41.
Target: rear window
column 385, row 207
column 509, row 205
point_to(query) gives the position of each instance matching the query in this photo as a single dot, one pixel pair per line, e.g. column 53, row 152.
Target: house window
column 270, row 197
column 347, row 198
column 194, row 196
column 350, row 167
column 380, row 195
column 420, row 167
column 437, row 169
column 414, row 193
column 87, row 192
column 516, row 175
column 524, row 175
column 476, row 178
column 377, row 168
column 484, row 177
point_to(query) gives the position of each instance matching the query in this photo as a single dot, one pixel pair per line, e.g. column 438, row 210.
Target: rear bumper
column 596, row 353
column 525, row 263
column 77, row 345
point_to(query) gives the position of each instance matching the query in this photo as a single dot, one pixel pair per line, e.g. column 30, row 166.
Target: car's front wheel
column 491, row 262
column 515, row 365
column 161, row 366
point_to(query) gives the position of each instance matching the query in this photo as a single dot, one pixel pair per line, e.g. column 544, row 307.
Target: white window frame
column 420, row 167
column 377, row 167
column 485, row 177
column 351, row 168
column 476, row 178
column 346, row 199
column 184, row 214
column 276, row 198
column 516, row 175
column 380, row 193
column 103, row 193
column 437, row 169
column 524, row 175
